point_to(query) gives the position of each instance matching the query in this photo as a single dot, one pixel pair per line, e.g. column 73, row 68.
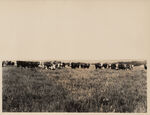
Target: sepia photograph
column 74, row 56
column 74, row 86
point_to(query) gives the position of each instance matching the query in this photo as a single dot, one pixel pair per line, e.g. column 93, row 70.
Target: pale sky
column 75, row 29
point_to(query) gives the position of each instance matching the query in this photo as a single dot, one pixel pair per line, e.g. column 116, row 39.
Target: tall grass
column 74, row 90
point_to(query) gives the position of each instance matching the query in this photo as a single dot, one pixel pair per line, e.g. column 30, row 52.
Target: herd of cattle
column 52, row 65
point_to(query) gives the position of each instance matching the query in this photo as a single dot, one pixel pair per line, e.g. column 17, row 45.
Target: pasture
column 74, row 90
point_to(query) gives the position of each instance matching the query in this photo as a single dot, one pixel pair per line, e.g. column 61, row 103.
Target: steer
column 122, row 66
column 113, row 66
column 85, row 65
column 105, row 65
column 47, row 65
column 98, row 65
column 75, row 65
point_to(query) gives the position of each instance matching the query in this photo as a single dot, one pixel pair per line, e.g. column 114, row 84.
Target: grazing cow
column 27, row 64
column 67, row 64
column 10, row 63
column 63, row 65
column 34, row 64
column 122, row 66
column 47, row 65
column 88, row 65
column 53, row 67
column 129, row 66
column 75, row 65
column 84, row 65
column 98, row 65
column 58, row 65
column 114, row 66
column 21, row 64
column 105, row 65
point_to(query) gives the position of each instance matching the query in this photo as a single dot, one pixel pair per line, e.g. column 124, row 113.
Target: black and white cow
column 129, row 66
column 122, row 66
column 85, row 65
column 114, row 66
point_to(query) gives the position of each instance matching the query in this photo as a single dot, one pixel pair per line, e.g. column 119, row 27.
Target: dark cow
column 122, row 66
column 98, row 66
column 113, row 66
column 33, row 64
column 27, row 64
column 63, row 64
column 145, row 66
column 105, row 65
column 10, row 63
column 85, row 65
column 75, row 65
column 21, row 64
column 47, row 65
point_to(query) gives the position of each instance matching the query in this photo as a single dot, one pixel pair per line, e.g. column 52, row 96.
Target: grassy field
column 74, row 90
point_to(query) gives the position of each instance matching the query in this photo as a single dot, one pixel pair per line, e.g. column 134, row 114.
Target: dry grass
column 74, row 90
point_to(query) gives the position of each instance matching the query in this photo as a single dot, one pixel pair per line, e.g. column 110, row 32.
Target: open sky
column 75, row 29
